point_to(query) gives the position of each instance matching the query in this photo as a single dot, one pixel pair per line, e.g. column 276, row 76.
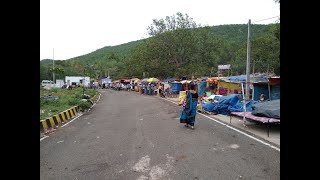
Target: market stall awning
column 144, row 80
column 185, row 81
column 153, row 80
column 137, row 81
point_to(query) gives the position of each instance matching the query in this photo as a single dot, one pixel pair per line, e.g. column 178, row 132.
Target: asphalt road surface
column 131, row 136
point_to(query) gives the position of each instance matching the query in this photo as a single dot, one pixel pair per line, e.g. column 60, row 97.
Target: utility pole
column 84, row 72
column 248, row 75
column 248, row 62
column 254, row 77
column 53, row 68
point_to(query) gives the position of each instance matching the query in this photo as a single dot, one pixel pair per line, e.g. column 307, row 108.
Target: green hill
column 237, row 33
column 119, row 60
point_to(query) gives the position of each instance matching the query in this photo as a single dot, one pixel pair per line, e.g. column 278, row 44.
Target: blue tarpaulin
column 228, row 104
column 202, row 85
column 176, row 87
column 238, row 107
column 275, row 92
column 242, row 78
column 269, row 109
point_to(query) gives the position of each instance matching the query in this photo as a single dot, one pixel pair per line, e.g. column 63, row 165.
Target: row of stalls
column 220, row 95
column 260, row 84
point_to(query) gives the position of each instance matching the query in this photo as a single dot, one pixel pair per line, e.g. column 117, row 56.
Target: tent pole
column 269, row 91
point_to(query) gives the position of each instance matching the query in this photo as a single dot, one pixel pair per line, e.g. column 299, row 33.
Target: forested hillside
column 177, row 46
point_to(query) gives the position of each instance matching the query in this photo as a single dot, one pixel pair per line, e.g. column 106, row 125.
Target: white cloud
column 77, row 27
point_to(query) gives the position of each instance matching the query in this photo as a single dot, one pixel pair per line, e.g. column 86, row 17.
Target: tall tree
column 170, row 23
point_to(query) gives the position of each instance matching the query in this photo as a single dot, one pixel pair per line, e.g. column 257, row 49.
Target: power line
column 265, row 19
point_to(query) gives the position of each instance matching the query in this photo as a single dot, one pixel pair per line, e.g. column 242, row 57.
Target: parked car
column 47, row 84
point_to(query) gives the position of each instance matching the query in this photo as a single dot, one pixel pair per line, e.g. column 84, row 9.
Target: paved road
column 131, row 136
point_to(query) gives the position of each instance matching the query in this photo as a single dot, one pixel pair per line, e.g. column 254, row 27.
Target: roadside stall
column 136, row 84
column 154, row 84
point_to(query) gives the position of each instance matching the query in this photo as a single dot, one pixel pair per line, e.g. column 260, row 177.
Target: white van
column 47, row 84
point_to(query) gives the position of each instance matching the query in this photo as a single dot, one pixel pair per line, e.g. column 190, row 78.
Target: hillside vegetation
column 177, row 46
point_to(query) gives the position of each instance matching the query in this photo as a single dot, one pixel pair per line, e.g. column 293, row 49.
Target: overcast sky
column 77, row 27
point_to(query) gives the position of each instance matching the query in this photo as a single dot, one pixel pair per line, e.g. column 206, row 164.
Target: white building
column 77, row 80
column 59, row 83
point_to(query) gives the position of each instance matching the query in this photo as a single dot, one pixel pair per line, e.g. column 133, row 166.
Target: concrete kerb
column 52, row 123
column 94, row 99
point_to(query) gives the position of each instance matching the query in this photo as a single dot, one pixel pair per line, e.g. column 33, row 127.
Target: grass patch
column 67, row 99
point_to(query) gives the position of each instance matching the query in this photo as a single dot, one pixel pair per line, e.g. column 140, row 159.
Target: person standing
column 189, row 111
column 149, row 89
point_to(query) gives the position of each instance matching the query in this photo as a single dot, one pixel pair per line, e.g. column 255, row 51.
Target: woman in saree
column 189, row 111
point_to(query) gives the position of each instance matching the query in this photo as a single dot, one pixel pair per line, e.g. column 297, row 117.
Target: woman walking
column 188, row 114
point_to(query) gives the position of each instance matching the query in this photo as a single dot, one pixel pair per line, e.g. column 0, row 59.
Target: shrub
column 73, row 102
column 84, row 105
column 78, row 95
column 91, row 92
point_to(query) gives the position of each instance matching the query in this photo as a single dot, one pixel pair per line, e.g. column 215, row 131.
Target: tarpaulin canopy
column 169, row 79
column 153, row 80
column 274, row 80
column 137, row 81
column 202, row 86
column 125, row 80
column 144, row 80
column 243, row 78
column 185, row 81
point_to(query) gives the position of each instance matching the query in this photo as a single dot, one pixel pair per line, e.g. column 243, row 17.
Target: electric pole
column 248, row 62
column 53, row 68
column 248, row 75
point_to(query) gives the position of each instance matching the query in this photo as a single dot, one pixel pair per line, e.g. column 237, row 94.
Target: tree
column 59, row 72
column 174, row 22
column 177, row 48
column 43, row 73
column 265, row 54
